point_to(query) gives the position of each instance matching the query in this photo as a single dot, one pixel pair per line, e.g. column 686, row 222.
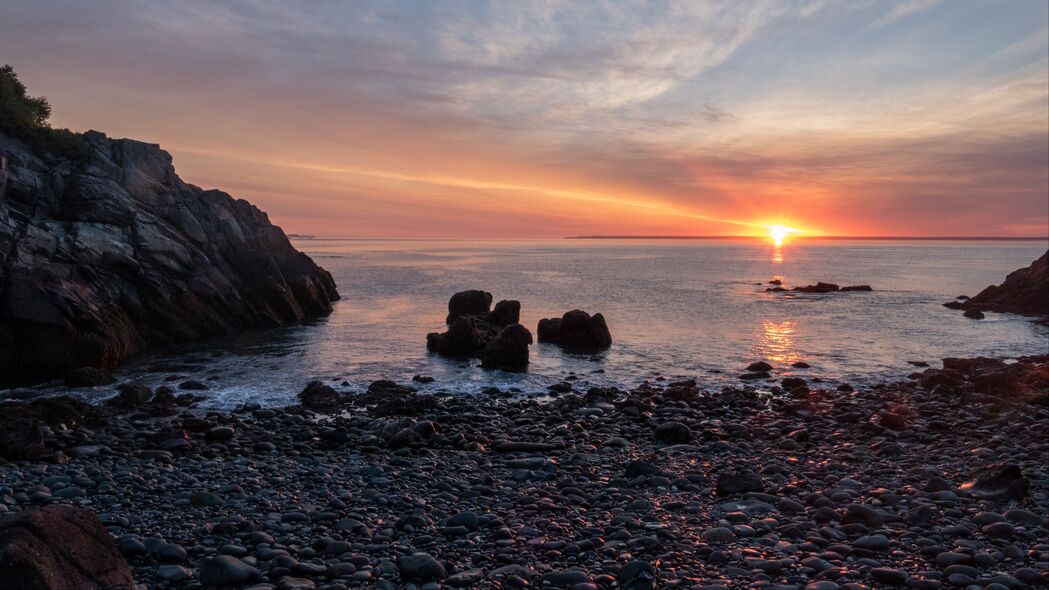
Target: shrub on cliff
column 26, row 117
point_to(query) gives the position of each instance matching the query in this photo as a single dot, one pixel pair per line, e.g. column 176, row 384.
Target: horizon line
column 296, row 236
column 803, row 237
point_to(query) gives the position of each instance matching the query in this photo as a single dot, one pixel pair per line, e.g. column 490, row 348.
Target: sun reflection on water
column 777, row 341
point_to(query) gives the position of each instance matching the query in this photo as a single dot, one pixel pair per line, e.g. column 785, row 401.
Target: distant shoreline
column 852, row 238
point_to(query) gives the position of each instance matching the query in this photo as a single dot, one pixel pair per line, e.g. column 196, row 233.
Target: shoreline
column 665, row 485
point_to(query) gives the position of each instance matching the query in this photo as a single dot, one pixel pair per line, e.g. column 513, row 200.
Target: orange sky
column 525, row 120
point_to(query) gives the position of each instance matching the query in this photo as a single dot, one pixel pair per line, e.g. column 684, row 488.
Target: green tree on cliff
column 26, row 117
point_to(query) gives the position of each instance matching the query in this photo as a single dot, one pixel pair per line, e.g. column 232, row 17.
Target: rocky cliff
column 110, row 254
column 1025, row 291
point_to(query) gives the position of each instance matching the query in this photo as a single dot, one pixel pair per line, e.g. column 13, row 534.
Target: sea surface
column 676, row 309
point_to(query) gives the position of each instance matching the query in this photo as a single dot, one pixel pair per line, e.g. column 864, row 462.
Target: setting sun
column 779, row 233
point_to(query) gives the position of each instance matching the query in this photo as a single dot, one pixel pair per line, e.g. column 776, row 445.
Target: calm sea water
column 678, row 309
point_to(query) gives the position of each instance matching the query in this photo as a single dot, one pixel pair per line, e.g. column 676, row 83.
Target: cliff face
column 1025, row 291
column 107, row 256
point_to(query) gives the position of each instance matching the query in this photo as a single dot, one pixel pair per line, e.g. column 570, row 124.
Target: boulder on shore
column 60, row 547
column 27, row 428
column 1025, row 291
column 107, row 255
column 576, row 330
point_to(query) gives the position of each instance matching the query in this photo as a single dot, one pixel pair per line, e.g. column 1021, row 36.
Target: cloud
column 618, row 117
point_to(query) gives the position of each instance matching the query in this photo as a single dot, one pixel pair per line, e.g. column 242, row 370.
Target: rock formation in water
column 110, row 253
column 577, row 331
column 60, row 548
column 476, row 331
column 1025, row 291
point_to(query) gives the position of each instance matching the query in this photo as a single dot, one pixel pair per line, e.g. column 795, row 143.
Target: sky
column 550, row 119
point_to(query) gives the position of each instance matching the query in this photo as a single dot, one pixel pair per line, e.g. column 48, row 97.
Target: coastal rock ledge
column 109, row 254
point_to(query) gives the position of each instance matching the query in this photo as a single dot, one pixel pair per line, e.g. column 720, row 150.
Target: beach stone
column 636, row 575
column 674, row 433
column 174, row 573
column 566, row 578
column 889, row 576
column 420, row 567
column 225, row 570
column 718, row 535
column 877, row 542
column 736, row 482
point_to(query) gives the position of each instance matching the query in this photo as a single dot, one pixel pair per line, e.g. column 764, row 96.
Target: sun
column 779, row 233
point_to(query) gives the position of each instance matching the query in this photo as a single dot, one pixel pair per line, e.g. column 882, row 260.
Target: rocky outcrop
column 1025, row 291
column 27, row 428
column 576, row 330
column 476, row 331
column 106, row 256
column 987, row 379
column 60, row 547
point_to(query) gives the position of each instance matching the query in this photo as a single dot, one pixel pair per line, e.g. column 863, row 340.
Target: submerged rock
column 106, row 256
column 576, row 330
column 60, row 547
column 820, row 287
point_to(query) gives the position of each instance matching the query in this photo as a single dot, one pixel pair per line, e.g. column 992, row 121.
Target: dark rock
column 318, row 396
column 737, row 482
column 24, row 426
column 998, row 482
column 974, row 314
column 467, row 337
column 107, row 256
column 89, row 377
column 576, row 330
column 637, row 575
column 638, row 468
column 60, row 547
column 505, row 313
column 1025, row 291
column 421, row 567
column 818, row 288
column 800, row 365
column 759, row 367
column 509, row 350
column 192, row 385
column 857, row 288
column 473, row 302
column 226, row 570
column 130, row 396
column 674, row 433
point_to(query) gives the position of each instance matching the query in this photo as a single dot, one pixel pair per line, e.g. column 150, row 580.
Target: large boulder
column 1025, row 291
column 509, row 350
column 105, row 256
column 320, row 397
column 576, row 330
column 476, row 331
column 60, row 547
column 472, row 302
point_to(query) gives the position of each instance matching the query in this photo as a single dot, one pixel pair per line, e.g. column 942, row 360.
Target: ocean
column 677, row 309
